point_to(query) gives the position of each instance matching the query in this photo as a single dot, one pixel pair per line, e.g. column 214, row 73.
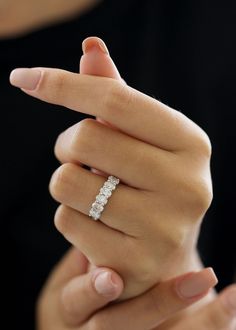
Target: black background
column 181, row 52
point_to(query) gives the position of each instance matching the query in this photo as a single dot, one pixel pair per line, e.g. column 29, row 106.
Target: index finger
column 129, row 110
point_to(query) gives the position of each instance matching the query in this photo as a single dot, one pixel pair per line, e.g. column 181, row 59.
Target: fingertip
column 94, row 42
column 196, row 285
column 107, row 283
column 210, row 275
column 25, row 78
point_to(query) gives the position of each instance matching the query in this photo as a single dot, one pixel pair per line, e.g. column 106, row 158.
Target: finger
column 220, row 314
column 96, row 60
column 155, row 306
column 74, row 263
column 121, row 106
column 83, row 295
column 94, row 239
column 113, row 152
column 77, row 188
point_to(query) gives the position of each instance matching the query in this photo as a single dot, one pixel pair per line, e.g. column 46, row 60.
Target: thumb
column 96, row 60
column 85, row 294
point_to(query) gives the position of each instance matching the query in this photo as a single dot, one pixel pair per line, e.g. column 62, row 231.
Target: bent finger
column 96, row 60
column 121, row 106
column 78, row 188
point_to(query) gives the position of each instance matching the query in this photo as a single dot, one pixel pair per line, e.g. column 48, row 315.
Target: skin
column 24, row 25
column 22, row 17
column 69, row 301
column 160, row 224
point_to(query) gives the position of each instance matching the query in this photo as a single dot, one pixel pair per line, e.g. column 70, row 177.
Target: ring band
column 103, row 196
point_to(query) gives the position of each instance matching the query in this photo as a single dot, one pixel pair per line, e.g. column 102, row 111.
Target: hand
column 75, row 299
column 218, row 315
column 71, row 295
column 148, row 230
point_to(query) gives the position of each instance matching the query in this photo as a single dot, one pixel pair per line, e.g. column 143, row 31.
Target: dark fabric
column 183, row 53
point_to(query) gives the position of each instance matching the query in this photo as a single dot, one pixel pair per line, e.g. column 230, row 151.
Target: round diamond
column 105, row 191
column 101, row 199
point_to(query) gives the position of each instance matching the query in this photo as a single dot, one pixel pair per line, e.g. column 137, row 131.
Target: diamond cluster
column 103, row 196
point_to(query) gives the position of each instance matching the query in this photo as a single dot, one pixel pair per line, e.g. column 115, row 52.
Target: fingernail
column 104, row 284
column 230, row 300
column 196, row 284
column 91, row 43
column 25, row 78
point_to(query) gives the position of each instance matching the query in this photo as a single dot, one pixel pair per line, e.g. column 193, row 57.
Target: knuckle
column 118, row 96
column 195, row 195
column 59, row 181
column 61, row 219
column 201, row 197
column 205, row 145
column 80, row 140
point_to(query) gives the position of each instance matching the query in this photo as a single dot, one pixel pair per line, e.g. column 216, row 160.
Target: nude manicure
column 196, row 284
column 104, row 284
column 25, row 78
column 93, row 42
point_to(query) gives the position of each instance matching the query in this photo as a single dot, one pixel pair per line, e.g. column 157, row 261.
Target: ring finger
column 77, row 188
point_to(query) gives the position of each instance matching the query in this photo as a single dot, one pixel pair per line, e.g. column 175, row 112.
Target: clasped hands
column 149, row 229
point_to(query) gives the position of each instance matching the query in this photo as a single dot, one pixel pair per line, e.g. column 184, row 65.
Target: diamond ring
column 102, row 198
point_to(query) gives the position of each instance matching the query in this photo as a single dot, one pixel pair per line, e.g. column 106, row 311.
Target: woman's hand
column 71, row 296
column 148, row 230
column 73, row 299
column 220, row 314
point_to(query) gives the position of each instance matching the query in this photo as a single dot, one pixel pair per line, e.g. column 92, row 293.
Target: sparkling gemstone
column 105, row 191
column 113, row 179
column 97, row 207
column 109, row 185
column 101, row 199
column 94, row 215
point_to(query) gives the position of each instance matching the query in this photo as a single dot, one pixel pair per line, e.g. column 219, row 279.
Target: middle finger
column 136, row 163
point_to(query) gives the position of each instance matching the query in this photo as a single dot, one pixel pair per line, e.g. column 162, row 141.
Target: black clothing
column 183, row 53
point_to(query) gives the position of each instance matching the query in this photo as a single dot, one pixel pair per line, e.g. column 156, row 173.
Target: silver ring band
column 102, row 198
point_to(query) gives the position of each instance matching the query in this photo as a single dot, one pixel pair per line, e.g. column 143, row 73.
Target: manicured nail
column 92, row 42
column 196, row 284
column 25, row 78
column 229, row 299
column 104, row 284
